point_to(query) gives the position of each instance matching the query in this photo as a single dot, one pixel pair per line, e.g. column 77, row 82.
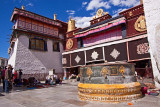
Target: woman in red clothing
column 15, row 75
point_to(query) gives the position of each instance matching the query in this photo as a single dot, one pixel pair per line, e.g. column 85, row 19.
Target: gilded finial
column 71, row 18
column 71, row 24
column 23, row 7
column 100, row 12
column 105, row 13
column 55, row 17
column 94, row 17
column 141, row 1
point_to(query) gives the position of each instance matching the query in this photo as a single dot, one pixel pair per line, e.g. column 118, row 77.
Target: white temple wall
column 152, row 13
column 36, row 62
column 12, row 55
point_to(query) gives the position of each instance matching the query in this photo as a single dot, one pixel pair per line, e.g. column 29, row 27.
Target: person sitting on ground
column 78, row 77
column 25, row 82
column 31, row 81
column 51, row 81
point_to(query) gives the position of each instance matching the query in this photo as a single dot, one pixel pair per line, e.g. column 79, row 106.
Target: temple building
column 107, row 40
column 36, row 44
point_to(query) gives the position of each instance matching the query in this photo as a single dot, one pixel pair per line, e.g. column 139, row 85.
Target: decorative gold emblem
column 130, row 13
column 122, row 70
column 140, row 24
column 89, row 72
column 69, row 44
column 99, row 12
column 105, row 72
column 113, row 70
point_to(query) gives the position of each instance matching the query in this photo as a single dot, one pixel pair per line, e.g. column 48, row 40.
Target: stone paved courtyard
column 64, row 95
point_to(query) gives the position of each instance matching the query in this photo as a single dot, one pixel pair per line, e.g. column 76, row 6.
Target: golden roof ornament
column 141, row 1
column 71, row 25
column 94, row 17
column 100, row 12
column 105, row 13
column 55, row 17
column 23, row 7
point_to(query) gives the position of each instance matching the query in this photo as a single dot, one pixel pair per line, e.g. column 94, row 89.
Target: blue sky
column 81, row 10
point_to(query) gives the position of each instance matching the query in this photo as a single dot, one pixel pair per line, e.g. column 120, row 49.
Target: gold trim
column 109, row 92
column 123, row 91
column 109, row 98
column 109, row 86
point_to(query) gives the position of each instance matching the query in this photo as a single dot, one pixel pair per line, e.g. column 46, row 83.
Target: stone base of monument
column 109, row 83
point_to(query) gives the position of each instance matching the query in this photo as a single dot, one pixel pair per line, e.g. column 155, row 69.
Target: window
column 56, row 46
column 38, row 44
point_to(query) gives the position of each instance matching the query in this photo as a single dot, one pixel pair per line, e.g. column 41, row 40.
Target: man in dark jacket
column 8, row 77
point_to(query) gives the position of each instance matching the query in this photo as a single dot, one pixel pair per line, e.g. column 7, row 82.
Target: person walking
column 20, row 75
column 8, row 77
column 1, row 74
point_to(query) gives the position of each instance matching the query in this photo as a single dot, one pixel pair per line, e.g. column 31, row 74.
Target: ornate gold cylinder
column 71, row 25
column 110, row 83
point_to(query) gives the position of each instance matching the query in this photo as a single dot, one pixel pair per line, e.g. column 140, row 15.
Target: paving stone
column 64, row 96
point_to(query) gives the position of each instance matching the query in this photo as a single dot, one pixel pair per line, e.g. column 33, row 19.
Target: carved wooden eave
column 34, row 16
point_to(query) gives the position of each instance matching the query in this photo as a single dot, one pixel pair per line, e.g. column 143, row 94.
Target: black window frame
column 35, row 45
column 57, row 47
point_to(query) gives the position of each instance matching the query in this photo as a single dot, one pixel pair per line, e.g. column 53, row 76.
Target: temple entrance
column 144, row 69
column 72, row 72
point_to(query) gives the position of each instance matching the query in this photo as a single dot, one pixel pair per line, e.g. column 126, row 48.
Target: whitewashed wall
column 12, row 56
column 33, row 61
column 152, row 14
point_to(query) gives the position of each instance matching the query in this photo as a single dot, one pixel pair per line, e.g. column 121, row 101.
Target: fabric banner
column 100, row 28
column 117, row 52
column 94, row 54
column 66, row 60
column 138, row 49
column 110, row 35
column 78, row 58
